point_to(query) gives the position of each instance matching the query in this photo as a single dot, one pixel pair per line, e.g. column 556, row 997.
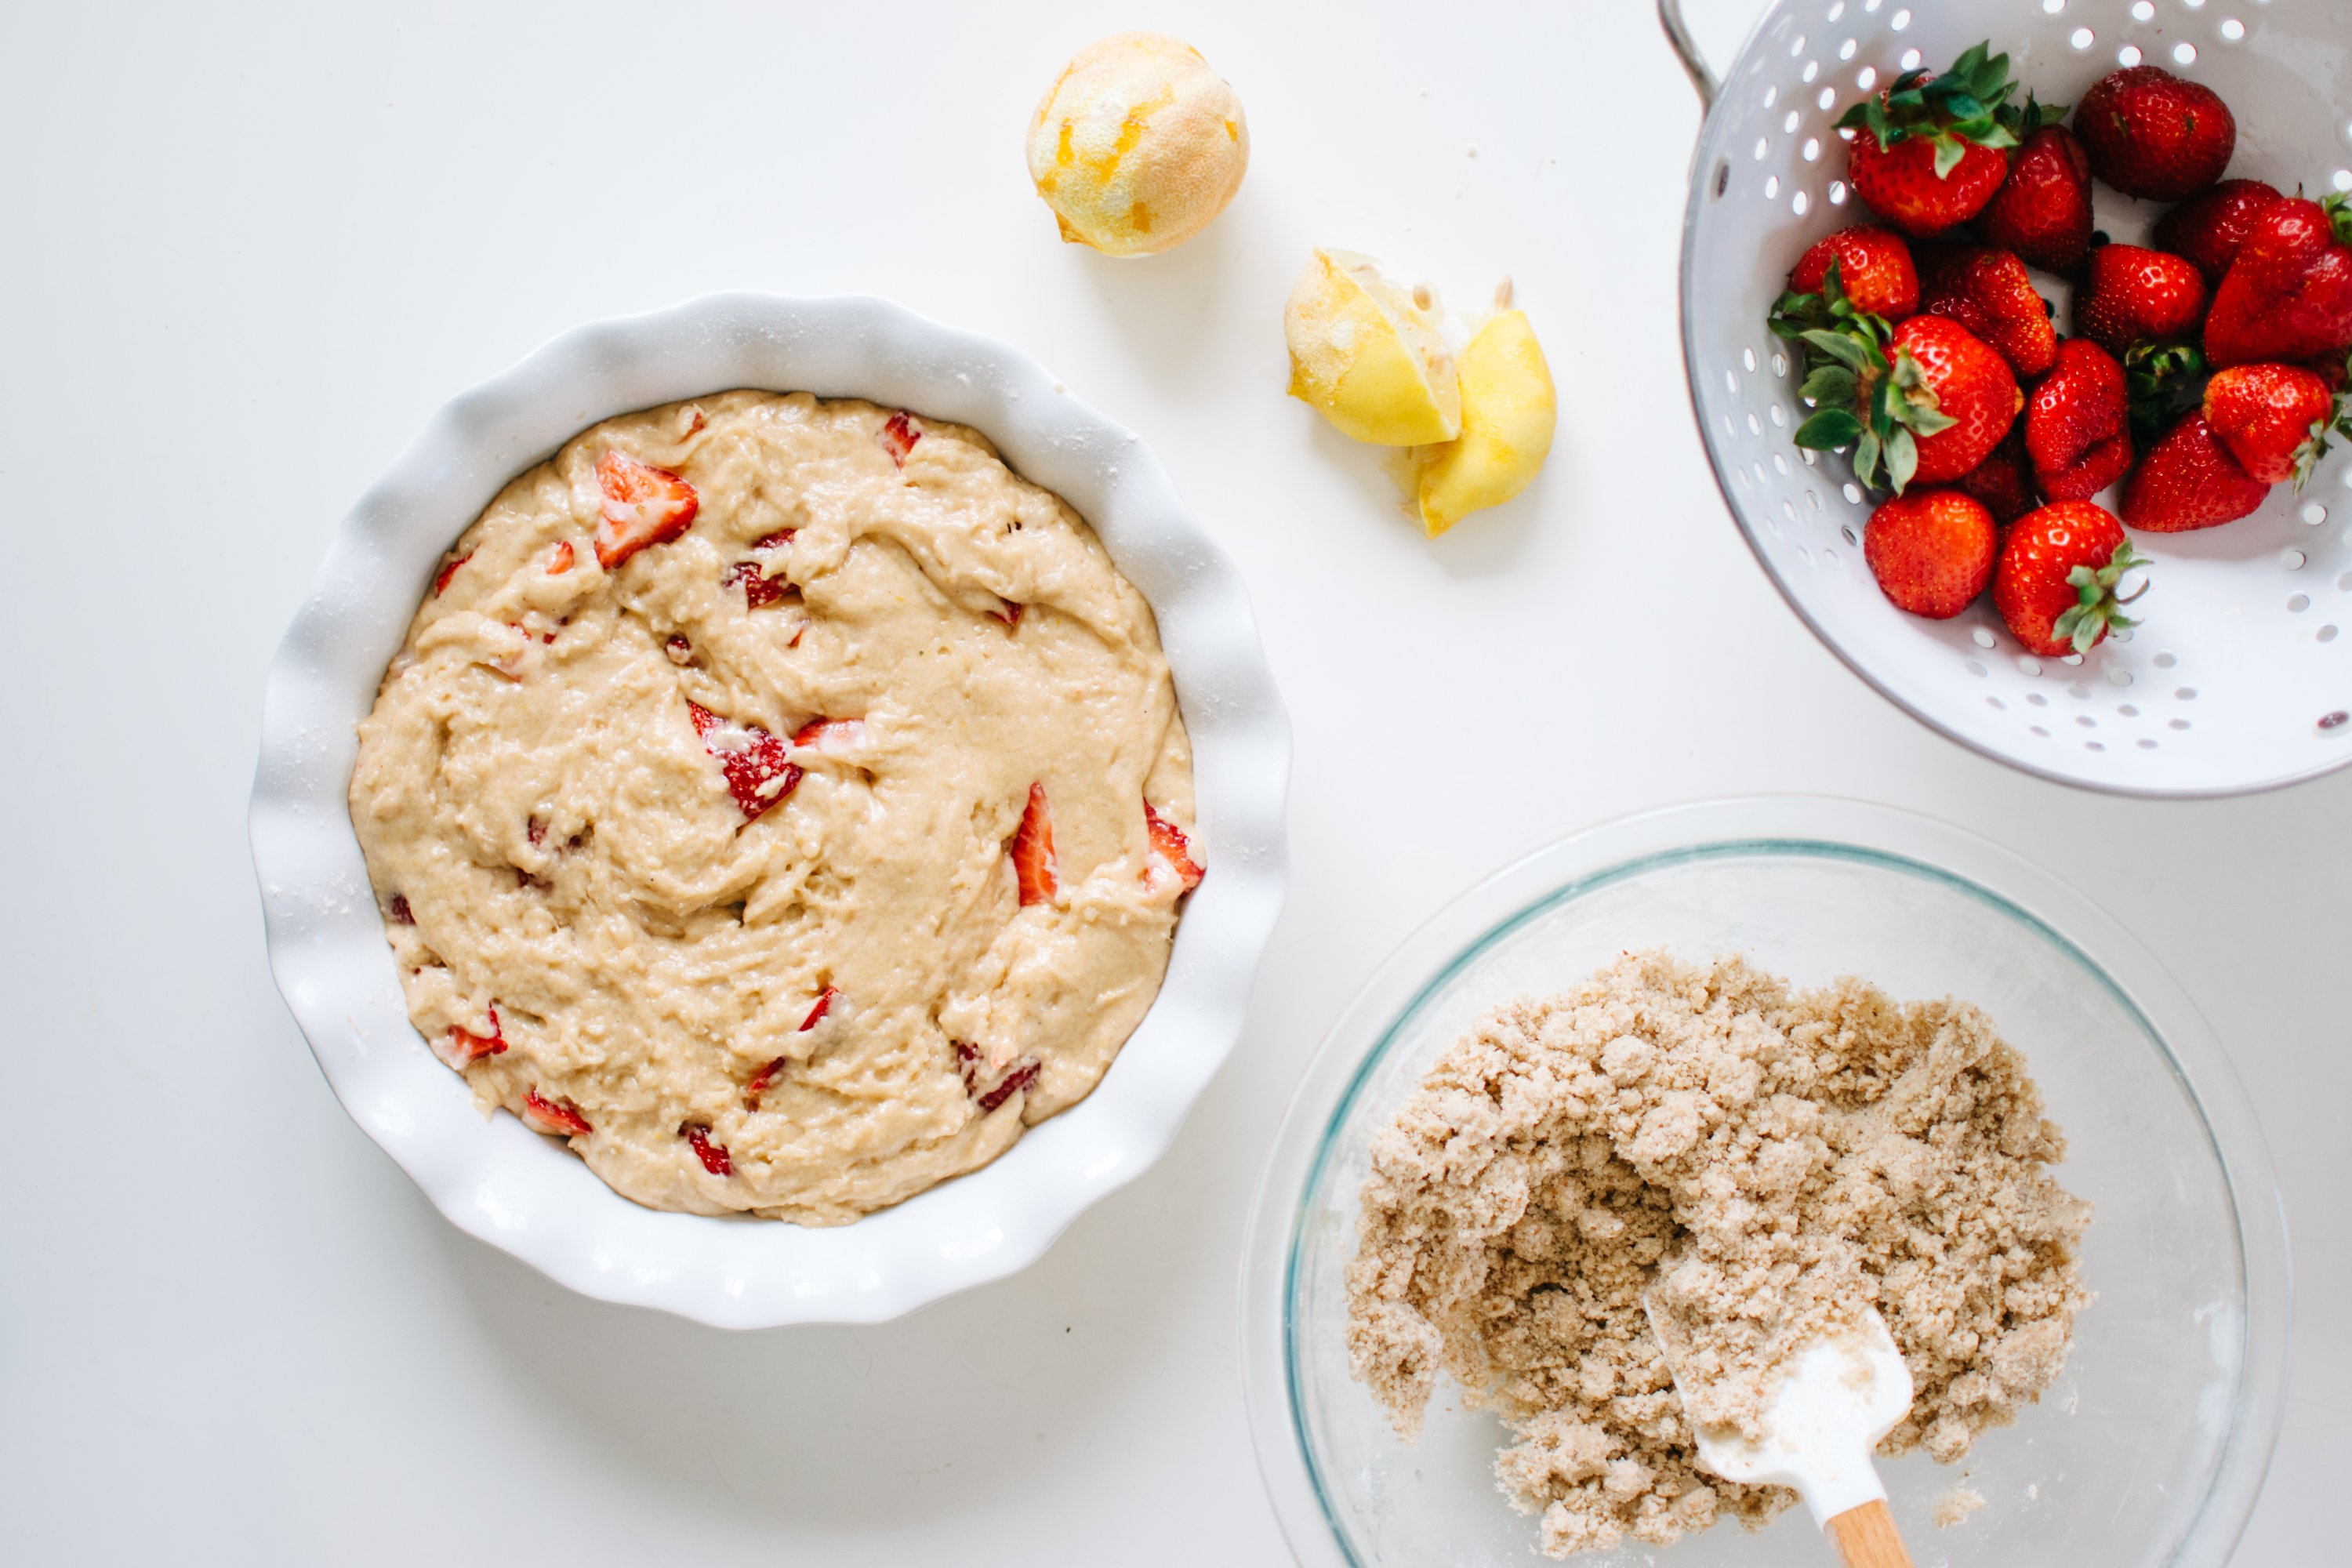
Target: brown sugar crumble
column 1791, row 1152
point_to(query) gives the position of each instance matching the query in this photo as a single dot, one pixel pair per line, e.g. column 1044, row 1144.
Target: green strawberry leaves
column 2338, row 207
column 1860, row 399
column 1968, row 105
column 2097, row 609
column 2163, row 382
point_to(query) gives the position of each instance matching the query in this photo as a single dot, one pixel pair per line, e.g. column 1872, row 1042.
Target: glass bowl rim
column 1859, row 831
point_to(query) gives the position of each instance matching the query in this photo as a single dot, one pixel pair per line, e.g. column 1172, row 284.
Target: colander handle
column 1678, row 33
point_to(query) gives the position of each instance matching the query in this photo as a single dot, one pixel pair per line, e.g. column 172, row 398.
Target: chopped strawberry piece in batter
column 680, row 651
column 559, row 1116
column 1010, row 614
column 714, row 1156
column 758, row 773
column 759, row 588
column 643, row 505
column 461, row 1047
column 816, row 1013
column 1171, row 852
column 899, row 434
column 1012, row 1083
column 829, row 734
column 401, row 913
column 1032, row 851
column 761, row 1079
column 561, row 562
column 775, row 540
column 448, row 570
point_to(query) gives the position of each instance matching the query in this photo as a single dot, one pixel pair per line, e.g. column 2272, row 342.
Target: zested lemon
column 1369, row 357
column 1508, row 413
column 1138, row 145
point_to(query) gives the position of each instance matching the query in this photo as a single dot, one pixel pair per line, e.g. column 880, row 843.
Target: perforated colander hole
column 1869, row 7
column 1797, row 47
column 2334, row 720
column 2082, row 38
column 1837, row 10
column 1812, row 147
column 1771, row 187
column 2232, row 29
column 2166, row 661
column 1813, row 500
column 2314, row 513
column 1812, row 69
column 1789, row 512
column 2028, row 665
column 1896, row 23
column 1852, row 493
column 1790, row 124
column 1828, row 557
column 1780, row 459
column 2127, row 711
column 1996, row 702
column 1780, row 417
column 2187, row 694
column 2037, row 729
column 1755, row 425
column 1910, row 60
column 2086, row 720
column 1762, row 147
column 2037, row 699
column 2178, row 725
column 2344, row 581
column 2147, row 744
column 1780, row 364
column 2078, row 692
column 1866, row 78
column 2292, row 560
column 2119, row 678
column 2070, row 659
column 2128, row 56
column 1837, row 193
column 1850, row 536
column 1846, row 49
column 1731, row 430
column 2184, row 53
column 1983, row 638
column 1759, row 474
column 1731, row 382
column 1739, row 478
column 1812, row 459
column 2326, row 633
column 2297, row 602
column 2199, row 4
column 1975, row 668
column 1771, row 95
column 2052, row 7
column 2341, row 179
column 1799, row 203
column 1747, row 361
column 1804, row 555
column 2142, row 11
column 2095, row 745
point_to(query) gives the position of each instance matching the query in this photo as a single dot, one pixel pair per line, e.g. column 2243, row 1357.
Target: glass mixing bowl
column 2150, row 1448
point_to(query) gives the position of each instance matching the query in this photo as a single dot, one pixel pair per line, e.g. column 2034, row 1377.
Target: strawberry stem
column 1967, row 105
column 2098, row 609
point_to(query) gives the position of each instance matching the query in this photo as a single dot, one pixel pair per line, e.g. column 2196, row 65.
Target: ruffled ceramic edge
column 517, row 1190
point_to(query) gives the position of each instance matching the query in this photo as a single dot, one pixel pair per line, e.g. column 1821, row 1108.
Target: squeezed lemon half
column 1138, row 145
column 1369, row 357
column 1509, row 411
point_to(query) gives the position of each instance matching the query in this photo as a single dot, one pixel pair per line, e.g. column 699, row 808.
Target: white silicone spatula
column 1842, row 1394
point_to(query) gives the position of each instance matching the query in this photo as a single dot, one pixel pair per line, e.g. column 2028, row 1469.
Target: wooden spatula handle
column 1866, row 1538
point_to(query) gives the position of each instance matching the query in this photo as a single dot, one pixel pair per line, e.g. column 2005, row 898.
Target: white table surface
column 250, row 252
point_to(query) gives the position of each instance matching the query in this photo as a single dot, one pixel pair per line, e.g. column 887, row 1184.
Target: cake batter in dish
column 781, row 801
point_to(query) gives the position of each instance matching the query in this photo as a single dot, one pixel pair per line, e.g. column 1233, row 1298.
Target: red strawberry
column 897, row 436
column 714, row 1156
column 448, row 570
column 1023, row 1075
column 461, row 1049
column 1873, row 268
column 643, row 505
column 1931, row 402
column 1931, row 551
column 1034, row 871
column 2150, row 133
column 2055, row 581
column 1928, row 153
column 2206, row 231
column 2274, row 418
column 760, row 1081
column 2188, row 480
column 2078, row 424
column 759, row 589
column 679, row 652
column 1990, row 294
column 560, row 1118
column 759, row 772
column 829, row 734
column 2130, row 295
column 2288, row 293
column 2004, row 481
column 2042, row 213
column 1171, row 852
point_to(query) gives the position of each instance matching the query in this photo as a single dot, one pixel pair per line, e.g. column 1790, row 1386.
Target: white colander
column 2240, row 677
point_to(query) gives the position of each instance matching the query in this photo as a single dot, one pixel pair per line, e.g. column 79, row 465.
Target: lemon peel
column 1138, row 145
column 1509, row 411
column 1369, row 355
